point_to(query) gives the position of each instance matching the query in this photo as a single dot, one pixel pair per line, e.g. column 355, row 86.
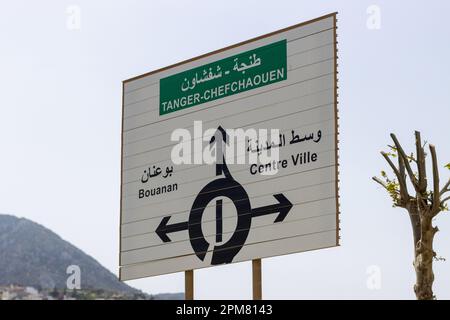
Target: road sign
column 182, row 215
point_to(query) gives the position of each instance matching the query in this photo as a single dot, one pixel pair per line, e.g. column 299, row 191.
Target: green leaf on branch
column 393, row 188
column 447, row 166
column 411, row 158
column 390, row 154
column 392, row 148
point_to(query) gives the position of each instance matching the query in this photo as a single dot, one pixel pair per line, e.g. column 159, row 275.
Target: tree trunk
column 415, row 222
column 423, row 262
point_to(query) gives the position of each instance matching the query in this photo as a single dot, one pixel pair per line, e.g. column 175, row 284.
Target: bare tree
column 422, row 205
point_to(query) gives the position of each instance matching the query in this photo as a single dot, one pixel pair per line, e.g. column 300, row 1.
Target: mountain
column 32, row 255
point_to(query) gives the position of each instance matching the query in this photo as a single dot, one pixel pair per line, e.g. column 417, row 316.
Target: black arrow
column 163, row 229
column 220, row 136
column 220, row 133
column 283, row 207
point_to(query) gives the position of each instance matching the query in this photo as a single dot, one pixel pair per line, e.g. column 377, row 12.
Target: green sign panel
column 245, row 71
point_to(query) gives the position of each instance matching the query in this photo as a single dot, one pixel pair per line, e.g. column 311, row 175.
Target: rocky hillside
column 32, row 255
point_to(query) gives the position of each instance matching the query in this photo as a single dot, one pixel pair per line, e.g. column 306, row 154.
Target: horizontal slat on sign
column 193, row 189
column 306, row 198
column 201, row 175
column 301, row 180
column 236, row 162
column 325, row 157
column 309, row 43
column 305, row 93
column 268, row 98
column 305, row 51
column 296, row 196
column 250, row 118
column 316, row 117
column 289, row 35
column 188, row 172
column 306, row 73
column 269, row 231
column 310, row 57
column 151, row 117
column 194, row 173
column 182, row 247
column 259, row 250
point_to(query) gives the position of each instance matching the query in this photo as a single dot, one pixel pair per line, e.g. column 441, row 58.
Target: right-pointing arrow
column 282, row 207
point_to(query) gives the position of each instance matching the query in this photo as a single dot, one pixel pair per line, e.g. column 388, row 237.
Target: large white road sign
column 180, row 213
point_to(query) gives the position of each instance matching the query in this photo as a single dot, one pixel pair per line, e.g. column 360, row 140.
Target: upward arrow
column 218, row 138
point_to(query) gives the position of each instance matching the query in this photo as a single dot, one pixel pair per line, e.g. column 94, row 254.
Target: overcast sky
column 61, row 115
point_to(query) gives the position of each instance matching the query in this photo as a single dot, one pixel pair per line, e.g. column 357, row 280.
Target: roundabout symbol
column 224, row 187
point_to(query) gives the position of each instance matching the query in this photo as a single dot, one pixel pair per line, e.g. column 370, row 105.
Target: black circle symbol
column 229, row 188
column 223, row 187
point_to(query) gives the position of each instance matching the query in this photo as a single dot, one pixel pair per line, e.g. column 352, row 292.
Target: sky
column 60, row 126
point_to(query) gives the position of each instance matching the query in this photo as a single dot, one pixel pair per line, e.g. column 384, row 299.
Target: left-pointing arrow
column 163, row 228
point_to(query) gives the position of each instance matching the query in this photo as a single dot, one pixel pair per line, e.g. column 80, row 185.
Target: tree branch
column 404, row 196
column 402, row 180
column 402, row 154
column 445, row 188
column 380, row 182
column 436, row 196
column 445, row 200
column 421, row 168
column 389, row 161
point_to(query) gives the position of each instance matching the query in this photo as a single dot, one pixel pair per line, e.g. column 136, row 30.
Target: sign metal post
column 189, row 285
column 257, row 279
